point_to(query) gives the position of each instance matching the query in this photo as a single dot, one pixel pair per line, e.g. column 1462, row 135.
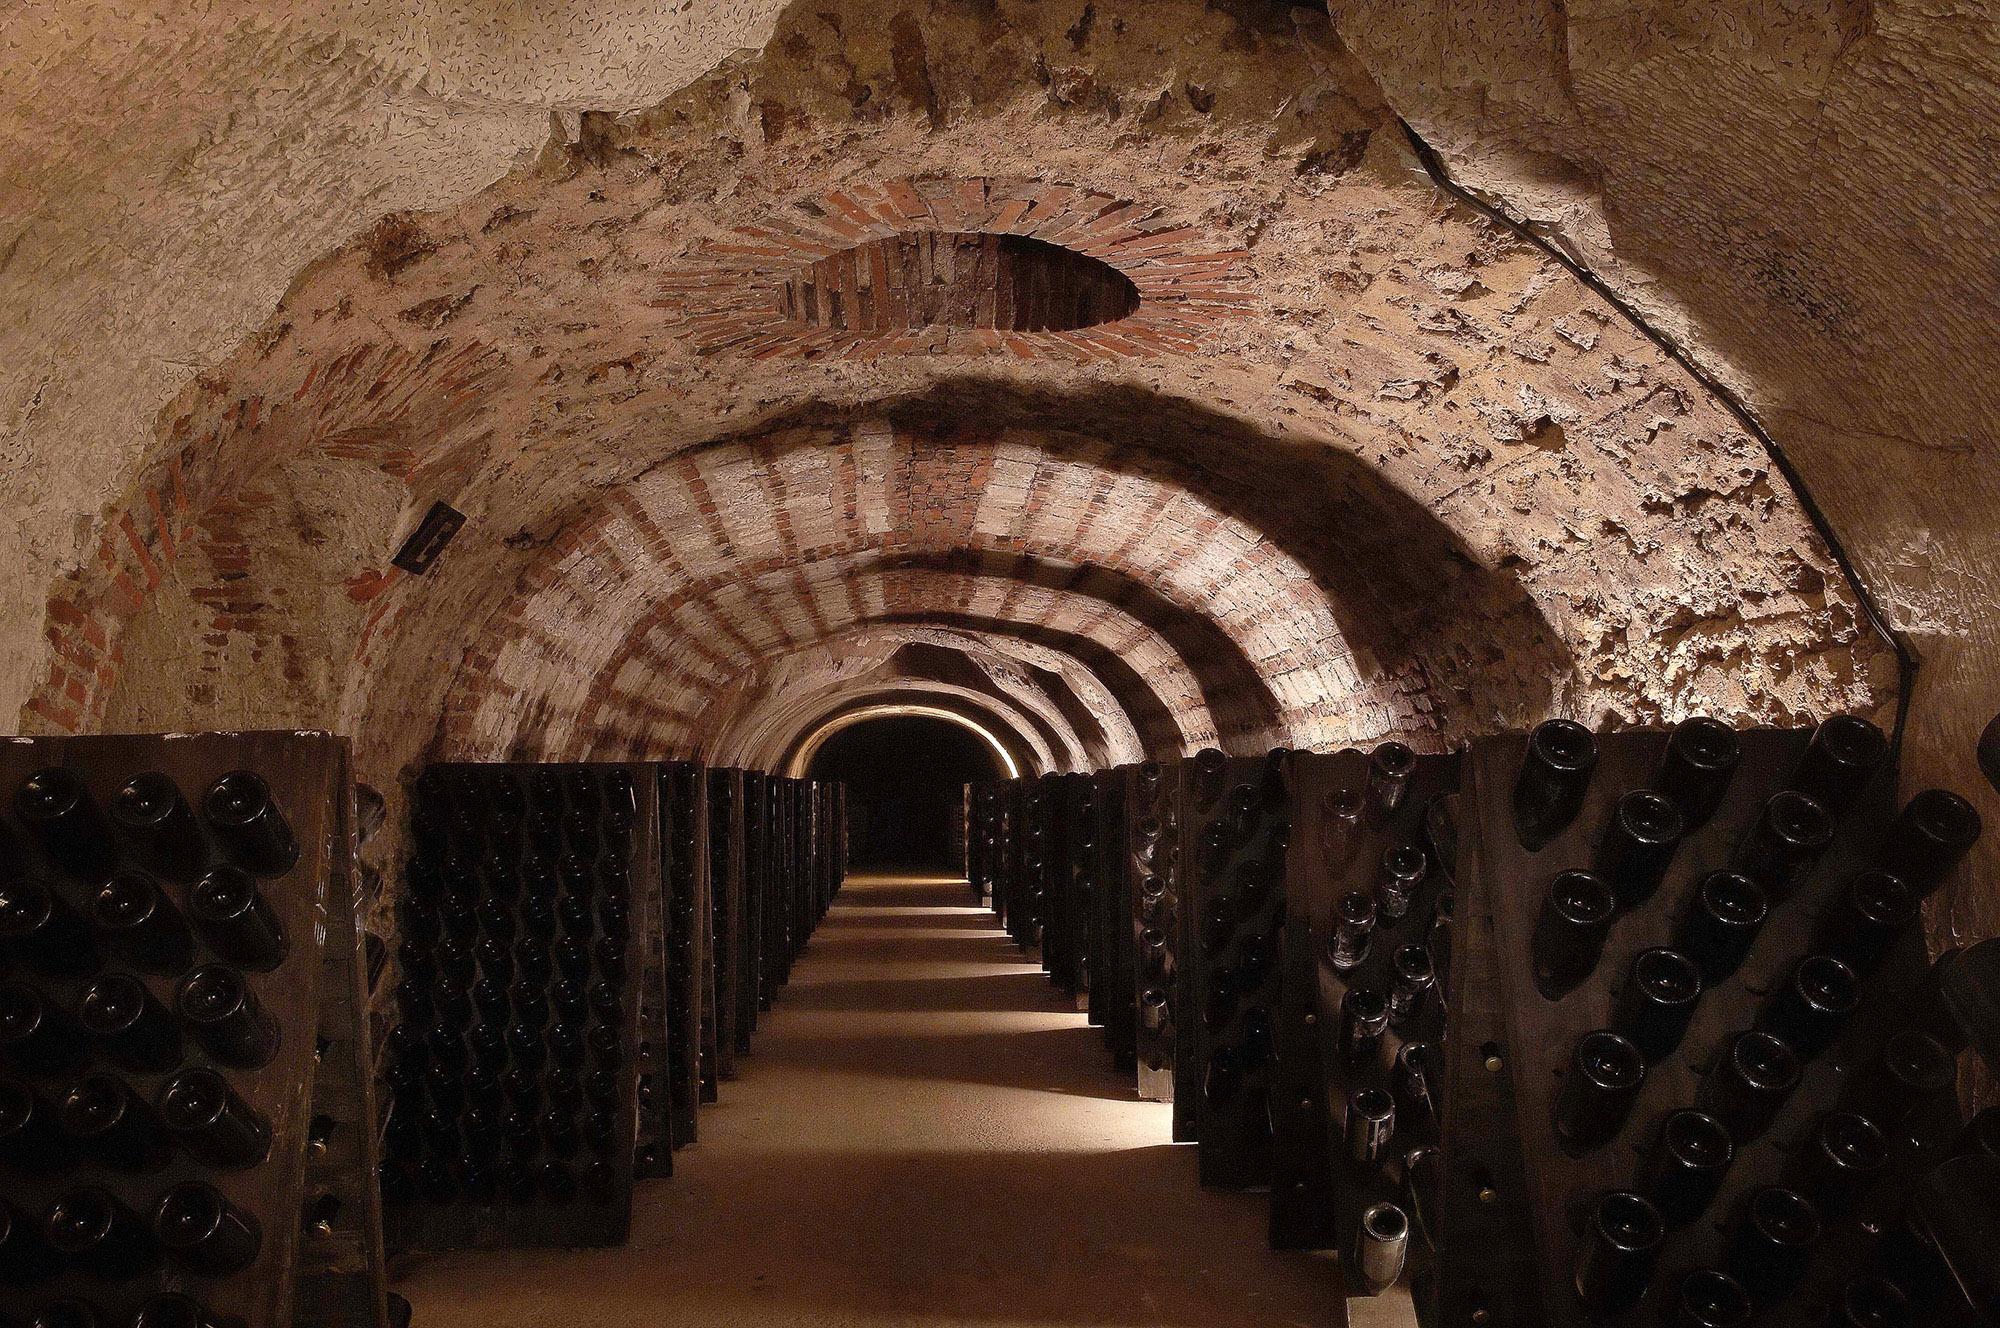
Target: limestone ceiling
column 1357, row 462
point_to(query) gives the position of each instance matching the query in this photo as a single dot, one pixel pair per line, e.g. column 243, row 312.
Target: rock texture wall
column 1802, row 195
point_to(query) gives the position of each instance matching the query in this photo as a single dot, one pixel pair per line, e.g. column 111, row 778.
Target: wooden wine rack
column 319, row 1259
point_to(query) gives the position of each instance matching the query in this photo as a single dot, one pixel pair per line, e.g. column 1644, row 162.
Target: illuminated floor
column 923, row 1136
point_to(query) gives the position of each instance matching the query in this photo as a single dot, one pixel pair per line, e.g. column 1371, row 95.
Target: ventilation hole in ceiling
column 1011, row 283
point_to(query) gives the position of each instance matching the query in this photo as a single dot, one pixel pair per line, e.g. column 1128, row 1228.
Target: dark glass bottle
column 1616, row 1257
column 1722, row 922
column 1364, row 1019
column 1696, row 769
column 36, row 1036
column 31, row 1142
column 1773, row 1240
column 209, row 1122
column 1413, row 983
column 1709, row 1298
column 1410, row 1083
column 43, row 930
column 173, row 1310
column 93, row 1229
column 128, row 1026
column 226, row 1017
column 1381, row 1246
column 68, row 1312
column 236, row 921
column 1872, row 910
column 1935, row 829
column 1841, row 1158
column 240, row 811
column 1912, row 1073
column 112, row 1124
column 1548, row 791
column 1870, row 1302
column 1686, row 1166
column 1570, row 931
column 1812, row 1006
column 141, row 925
column 1403, row 870
column 1390, row 768
column 1638, row 846
column 203, row 1232
column 1605, row 1075
column 58, row 810
column 1842, row 757
column 157, row 821
column 1660, row 996
column 1748, row 1083
column 1354, row 925
column 24, row 1254
column 1788, row 838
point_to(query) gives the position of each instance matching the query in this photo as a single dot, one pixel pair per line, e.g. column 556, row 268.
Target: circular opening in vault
column 970, row 279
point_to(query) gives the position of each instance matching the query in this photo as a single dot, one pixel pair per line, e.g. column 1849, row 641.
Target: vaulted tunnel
column 912, row 395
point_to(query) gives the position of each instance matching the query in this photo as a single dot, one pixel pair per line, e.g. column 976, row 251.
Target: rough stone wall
column 1423, row 481
column 1802, row 195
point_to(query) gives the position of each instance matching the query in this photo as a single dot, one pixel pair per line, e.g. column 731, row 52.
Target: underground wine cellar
column 928, row 662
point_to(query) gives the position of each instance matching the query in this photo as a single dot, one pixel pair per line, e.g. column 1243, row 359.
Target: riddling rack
column 584, row 947
column 184, row 1095
column 1568, row 1029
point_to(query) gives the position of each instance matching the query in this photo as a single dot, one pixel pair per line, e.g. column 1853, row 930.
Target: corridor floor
column 922, row 1136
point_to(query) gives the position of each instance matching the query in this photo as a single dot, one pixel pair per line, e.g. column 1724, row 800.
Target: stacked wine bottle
column 513, row 1074
column 684, row 880
column 1153, row 852
column 1114, row 905
column 1734, row 1099
column 160, row 908
column 1367, row 950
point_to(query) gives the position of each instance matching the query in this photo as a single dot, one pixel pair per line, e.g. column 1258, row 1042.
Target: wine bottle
column 128, row 1026
column 172, row 1310
column 1841, row 1158
column 31, row 1143
column 1697, row 767
column 1605, row 1074
column 1413, row 982
column 1722, row 922
column 1638, row 846
column 1912, row 1073
column 24, row 1255
column 1842, row 757
column 226, row 1017
column 36, row 1037
column 239, row 809
column 1788, row 838
column 1364, row 1019
column 1354, row 924
column 1685, row 1168
column 1812, row 1006
column 1390, row 768
column 1748, row 1083
column 1410, row 1080
column 156, row 820
column 1709, row 1298
column 1872, row 910
column 1617, row 1255
column 93, row 1229
column 203, row 1233
column 141, row 926
column 68, row 1312
column 1382, row 1240
column 1570, row 931
column 58, row 811
column 236, row 921
column 1403, row 870
column 113, row 1125
column 1371, row 1124
column 1773, row 1241
column 208, row 1121
column 1548, row 791
column 43, row 930
column 1659, row 999
column 1870, row 1302
column 1935, row 829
